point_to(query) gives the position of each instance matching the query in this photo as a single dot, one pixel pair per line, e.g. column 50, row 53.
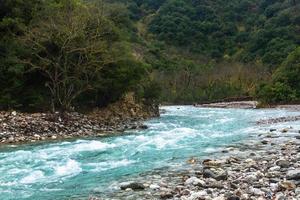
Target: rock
column 273, row 187
column 221, row 197
column 211, row 163
column 280, row 196
column 36, row 136
column 293, row 174
column 13, row 113
column 185, row 192
column 53, row 137
column 249, row 160
column 93, row 198
column 297, row 137
column 191, row 161
column 284, row 130
column 197, row 195
column 166, row 194
column 215, row 184
column 275, row 168
column 233, row 197
column 194, row 181
column 283, row 163
column 143, row 126
column 245, row 196
column 154, row 186
column 287, row 185
column 272, row 129
column 250, row 178
column 215, row 173
column 132, row 185
column 252, row 154
column 11, row 139
column 256, row 192
column 265, row 142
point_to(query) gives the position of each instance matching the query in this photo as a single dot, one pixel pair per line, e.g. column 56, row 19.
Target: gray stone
column 283, row 163
column 194, row 181
column 154, row 186
column 132, row 185
column 217, row 174
column 166, row 194
column 293, row 174
column 233, row 197
column 197, row 195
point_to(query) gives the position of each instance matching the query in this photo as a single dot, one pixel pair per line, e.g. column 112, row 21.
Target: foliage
column 65, row 54
column 285, row 84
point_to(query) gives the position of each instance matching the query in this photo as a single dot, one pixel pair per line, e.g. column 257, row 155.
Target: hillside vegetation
column 71, row 54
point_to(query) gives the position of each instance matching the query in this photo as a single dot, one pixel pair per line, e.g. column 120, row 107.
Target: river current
column 75, row 169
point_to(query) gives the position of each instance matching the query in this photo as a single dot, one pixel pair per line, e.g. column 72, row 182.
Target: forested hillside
column 83, row 53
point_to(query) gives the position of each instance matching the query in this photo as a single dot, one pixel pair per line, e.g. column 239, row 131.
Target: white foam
column 91, row 146
column 8, row 183
column 33, row 177
column 102, row 166
column 165, row 138
column 70, row 168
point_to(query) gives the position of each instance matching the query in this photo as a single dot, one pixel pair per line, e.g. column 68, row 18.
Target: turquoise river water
column 74, row 169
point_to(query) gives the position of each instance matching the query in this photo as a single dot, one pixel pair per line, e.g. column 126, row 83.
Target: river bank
column 248, row 105
column 17, row 127
column 266, row 166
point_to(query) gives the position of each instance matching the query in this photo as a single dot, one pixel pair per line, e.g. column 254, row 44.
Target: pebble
column 154, row 186
column 194, row 181
column 283, row 163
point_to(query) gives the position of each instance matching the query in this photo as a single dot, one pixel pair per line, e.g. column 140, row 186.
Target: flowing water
column 75, row 169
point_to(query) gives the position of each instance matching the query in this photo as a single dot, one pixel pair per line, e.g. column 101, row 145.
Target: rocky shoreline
column 266, row 167
column 232, row 104
column 16, row 127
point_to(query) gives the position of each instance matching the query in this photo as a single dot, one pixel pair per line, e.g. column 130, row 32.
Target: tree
column 285, row 84
column 69, row 47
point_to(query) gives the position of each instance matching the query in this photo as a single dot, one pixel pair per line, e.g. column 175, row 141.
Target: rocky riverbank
column 233, row 104
column 18, row 127
column 267, row 166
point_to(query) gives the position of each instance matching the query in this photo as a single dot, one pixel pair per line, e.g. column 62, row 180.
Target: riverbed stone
column 287, row 185
column 293, row 174
column 215, row 173
column 233, row 197
column 154, row 187
column 283, row 163
column 132, row 185
column 195, row 181
column 198, row 195
column 166, row 194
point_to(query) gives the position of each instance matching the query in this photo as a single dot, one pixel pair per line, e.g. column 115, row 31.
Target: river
column 75, row 169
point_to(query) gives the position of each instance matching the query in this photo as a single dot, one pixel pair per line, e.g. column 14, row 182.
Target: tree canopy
column 65, row 54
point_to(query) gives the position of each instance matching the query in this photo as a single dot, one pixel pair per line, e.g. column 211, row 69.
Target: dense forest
column 69, row 54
